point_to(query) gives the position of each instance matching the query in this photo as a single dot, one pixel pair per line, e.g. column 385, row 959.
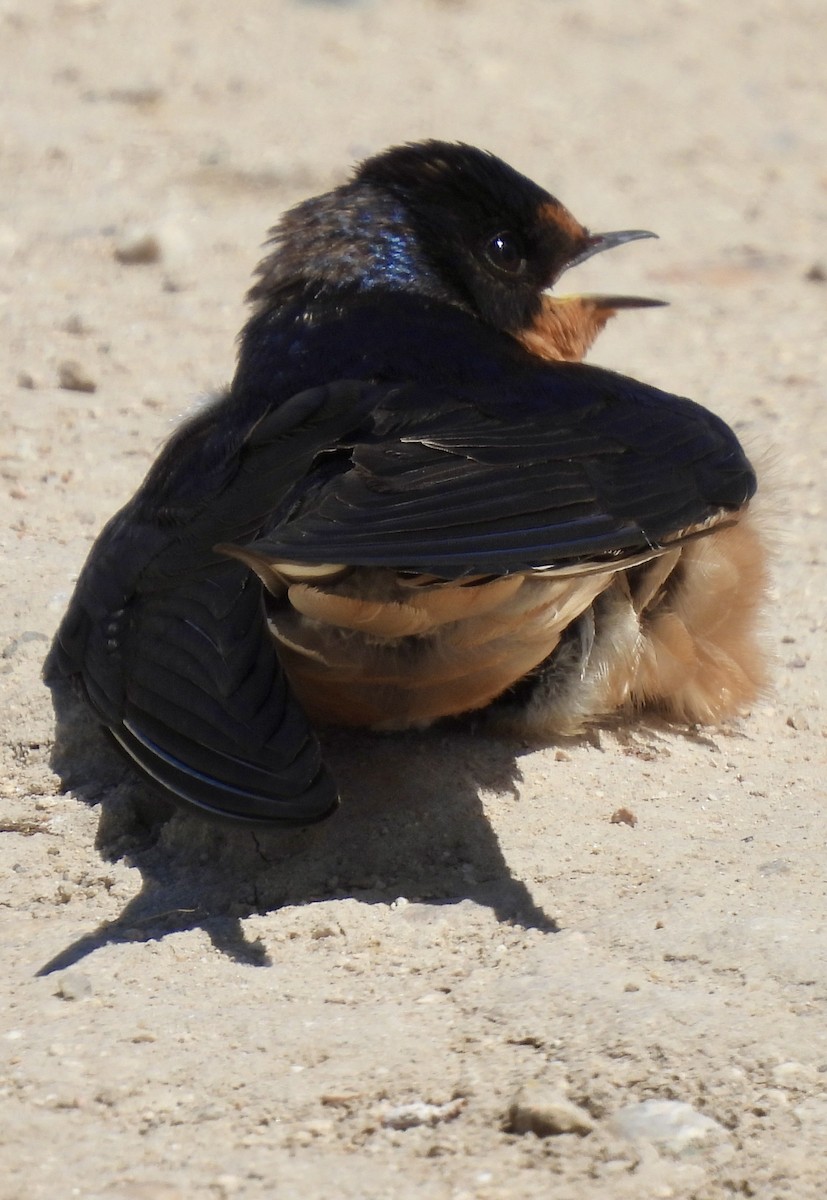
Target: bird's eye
column 505, row 253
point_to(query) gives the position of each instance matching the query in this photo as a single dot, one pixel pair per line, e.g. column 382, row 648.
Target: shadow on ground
column 411, row 824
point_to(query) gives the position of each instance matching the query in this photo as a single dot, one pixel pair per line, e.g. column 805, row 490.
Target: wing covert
column 576, row 463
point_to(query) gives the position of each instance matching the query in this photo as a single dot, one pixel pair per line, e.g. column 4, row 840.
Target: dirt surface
column 372, row 1008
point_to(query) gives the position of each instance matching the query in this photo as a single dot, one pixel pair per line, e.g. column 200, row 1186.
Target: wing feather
column 168, row 638
column 576, row 463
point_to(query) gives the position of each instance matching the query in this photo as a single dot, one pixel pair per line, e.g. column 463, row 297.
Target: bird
column 415, row 502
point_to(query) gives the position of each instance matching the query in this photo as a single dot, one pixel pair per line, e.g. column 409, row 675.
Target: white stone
column 669, row 1124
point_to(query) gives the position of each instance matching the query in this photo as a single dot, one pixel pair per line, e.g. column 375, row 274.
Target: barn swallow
column 414, row 502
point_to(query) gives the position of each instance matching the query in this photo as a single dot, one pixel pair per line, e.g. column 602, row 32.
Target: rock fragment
column 671, row 1125
column 73, row 985
column 546, row 1111
column 73, row 376
column 138, row 247
column 420, row 1112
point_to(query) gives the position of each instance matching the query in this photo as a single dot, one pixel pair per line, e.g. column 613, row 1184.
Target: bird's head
column 453, row 223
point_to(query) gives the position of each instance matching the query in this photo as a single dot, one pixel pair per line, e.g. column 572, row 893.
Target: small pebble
column 74, row 377
column 409, row 1116
column 623, row 816
column 73, row 985
column 25, row 379
column 306, row 1134
column 544, row 1110
column 794, row 1075
column 671, row 1125
column 139, row 247
column 798, row 721
column 76, row 325
column 324, row 930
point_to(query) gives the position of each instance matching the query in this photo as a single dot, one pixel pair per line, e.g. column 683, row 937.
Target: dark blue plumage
column 481, row 459
column 386, row 413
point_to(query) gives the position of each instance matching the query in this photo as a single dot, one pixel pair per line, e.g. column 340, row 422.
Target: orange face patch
column 565, row 327
column 556, row 214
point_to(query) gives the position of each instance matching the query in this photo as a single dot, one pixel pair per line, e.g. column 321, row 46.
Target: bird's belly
column 381, row 651
column 679, row 634
column 673, row 629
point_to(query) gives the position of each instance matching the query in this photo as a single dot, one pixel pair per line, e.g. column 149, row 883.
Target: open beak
column 564, row 327
column 596, row 243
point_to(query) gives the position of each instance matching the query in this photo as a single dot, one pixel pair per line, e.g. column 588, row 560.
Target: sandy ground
column 349, row 1011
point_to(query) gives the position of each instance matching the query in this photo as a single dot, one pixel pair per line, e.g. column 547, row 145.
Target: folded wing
column 576, row 465
column 168, row 639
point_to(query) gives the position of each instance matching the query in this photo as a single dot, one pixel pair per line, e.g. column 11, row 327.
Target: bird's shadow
column 411, row 824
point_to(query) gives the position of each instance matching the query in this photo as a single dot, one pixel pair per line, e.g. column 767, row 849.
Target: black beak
column 618, row 302
column 596, row 243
